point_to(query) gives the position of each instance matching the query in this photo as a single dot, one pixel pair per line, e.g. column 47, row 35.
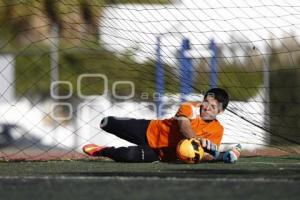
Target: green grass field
column 250, row 178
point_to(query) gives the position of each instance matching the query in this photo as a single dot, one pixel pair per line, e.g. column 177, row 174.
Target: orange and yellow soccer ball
column 190, row 150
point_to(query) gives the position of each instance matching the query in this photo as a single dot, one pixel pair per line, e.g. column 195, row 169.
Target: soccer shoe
column 232, row 155
column 92, row 149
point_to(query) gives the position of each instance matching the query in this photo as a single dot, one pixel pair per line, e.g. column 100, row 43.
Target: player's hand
column 209, row 147
column 232, row 155
column 207, row 144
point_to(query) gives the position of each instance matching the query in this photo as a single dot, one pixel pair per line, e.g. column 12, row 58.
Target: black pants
column 134, row 131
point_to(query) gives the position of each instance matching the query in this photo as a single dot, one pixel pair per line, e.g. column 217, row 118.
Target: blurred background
column 64, row 65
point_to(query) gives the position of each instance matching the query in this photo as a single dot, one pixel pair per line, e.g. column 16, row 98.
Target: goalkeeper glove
column 209, row 147
column 232, row 155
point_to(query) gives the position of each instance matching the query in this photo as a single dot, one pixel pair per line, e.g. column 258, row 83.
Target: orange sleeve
column 185, row 110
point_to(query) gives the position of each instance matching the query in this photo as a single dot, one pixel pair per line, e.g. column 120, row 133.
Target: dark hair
column 220, row 95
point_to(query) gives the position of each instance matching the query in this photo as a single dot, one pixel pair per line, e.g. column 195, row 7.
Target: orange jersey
column 164, row 135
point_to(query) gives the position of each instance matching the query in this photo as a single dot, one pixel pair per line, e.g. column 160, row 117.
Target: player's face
column 210, row 108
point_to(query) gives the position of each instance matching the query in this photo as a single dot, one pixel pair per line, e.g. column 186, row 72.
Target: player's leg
column 132, row 130
column 131, row 154
column 123, row 154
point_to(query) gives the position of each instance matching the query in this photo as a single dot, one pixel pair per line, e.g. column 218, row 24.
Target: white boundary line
column 270, row 163
column 128, row 178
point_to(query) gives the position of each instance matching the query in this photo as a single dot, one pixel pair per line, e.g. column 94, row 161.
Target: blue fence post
column 185, row 64
column 159, row 79
column 213, row 65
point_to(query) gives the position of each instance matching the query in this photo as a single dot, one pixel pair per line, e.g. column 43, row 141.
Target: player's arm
column 186, row 130
column 211, row 152
column 183, row 117
column 185, row 127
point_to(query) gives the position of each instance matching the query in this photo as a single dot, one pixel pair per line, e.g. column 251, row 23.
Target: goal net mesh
column 64, row 65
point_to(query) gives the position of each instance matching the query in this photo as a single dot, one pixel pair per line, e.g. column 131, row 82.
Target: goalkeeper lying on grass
column 157, row 140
